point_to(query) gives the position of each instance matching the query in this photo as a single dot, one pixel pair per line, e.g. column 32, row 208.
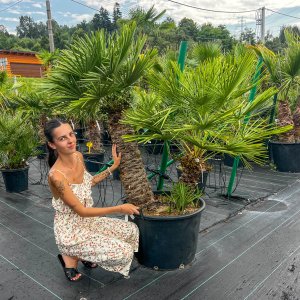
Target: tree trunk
column 296, row 118
column 192, row 169
column 285, row 118
column 132, row 169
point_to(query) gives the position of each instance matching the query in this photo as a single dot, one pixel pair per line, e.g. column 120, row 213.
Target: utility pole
column 263, row 25
column 242, row 28
column 49, row 26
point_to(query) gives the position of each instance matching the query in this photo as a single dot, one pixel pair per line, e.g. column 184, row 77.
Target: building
column 20, row 63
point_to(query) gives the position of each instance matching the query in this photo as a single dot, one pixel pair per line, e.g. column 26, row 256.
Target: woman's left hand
column 116, row 157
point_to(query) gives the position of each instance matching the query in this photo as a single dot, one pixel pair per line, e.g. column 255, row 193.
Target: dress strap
column 60, row 173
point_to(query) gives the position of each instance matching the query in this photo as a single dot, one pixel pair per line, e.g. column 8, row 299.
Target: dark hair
column 48, row 131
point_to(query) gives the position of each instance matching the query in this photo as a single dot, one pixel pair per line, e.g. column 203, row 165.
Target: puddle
column 270, row 205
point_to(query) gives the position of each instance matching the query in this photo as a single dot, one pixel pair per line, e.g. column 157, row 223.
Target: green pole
column 251, row 98
column 182, row 54
column 164, row 160
column 272, row 115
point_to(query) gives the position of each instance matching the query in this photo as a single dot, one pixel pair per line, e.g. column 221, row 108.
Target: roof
column 16, row 52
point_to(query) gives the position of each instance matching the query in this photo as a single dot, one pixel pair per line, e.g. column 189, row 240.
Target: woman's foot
column 69, row 265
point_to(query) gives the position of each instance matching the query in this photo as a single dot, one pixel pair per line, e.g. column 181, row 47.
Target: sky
column 245, row 12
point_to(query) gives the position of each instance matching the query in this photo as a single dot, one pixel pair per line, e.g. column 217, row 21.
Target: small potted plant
column 18, row 142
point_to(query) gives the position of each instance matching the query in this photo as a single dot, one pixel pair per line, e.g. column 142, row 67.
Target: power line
column 211, row 10
column 277, row 12
column 85, row 5
column 10, row 6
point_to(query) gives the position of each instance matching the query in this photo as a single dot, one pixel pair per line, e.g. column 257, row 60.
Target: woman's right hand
column 129, row 209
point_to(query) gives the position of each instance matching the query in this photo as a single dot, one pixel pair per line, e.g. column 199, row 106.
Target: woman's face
column 64, row 139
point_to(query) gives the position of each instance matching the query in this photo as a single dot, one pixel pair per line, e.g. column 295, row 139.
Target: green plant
column 204, row 109
column 182, row 196
column 18, row 140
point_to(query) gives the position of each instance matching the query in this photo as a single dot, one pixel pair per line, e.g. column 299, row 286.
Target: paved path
column 254, row 255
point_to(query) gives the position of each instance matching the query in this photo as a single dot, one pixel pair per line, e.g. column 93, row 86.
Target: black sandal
column 69, row 272
column 89, row 264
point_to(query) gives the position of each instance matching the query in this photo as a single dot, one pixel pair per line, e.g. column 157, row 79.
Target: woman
column 81, row 231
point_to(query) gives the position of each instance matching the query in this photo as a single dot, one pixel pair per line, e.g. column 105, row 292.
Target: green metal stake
column 251, row 98
column 164, row 160
column 272, row 115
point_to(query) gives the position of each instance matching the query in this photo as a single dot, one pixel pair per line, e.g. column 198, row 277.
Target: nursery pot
column 285, row 156
column 202, row 179
column 43, row 151
column 229, row 160
column 93, row 161
column 168, row 242
column 15, row 180
column 79, row 135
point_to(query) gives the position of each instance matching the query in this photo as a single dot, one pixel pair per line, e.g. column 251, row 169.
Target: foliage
column 204, row 108
column 17, row 140
column 98, row 71
column 181, row 197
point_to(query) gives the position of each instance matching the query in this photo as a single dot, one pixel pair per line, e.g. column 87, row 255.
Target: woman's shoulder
column 55, row 175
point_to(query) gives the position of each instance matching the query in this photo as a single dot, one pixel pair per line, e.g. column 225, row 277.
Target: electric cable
column 11, row 5
column 211, row 10
column 277, row 12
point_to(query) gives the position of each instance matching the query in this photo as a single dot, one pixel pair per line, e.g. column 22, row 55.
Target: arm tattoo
column 99, row 177
column 60, row 187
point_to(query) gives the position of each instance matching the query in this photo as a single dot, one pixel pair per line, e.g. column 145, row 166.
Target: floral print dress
column 109, row 242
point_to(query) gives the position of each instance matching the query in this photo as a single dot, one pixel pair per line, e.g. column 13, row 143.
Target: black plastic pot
column 43, row 151
column 202, row 180
column 93, row 161
column 229, row 160
column 15, row 180
column 285, row 156
column 79, row 135
column 168, row 243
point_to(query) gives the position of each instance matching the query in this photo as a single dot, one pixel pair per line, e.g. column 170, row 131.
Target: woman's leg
column 119, row 229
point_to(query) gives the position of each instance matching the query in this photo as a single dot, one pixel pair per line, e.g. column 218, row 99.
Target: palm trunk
column 132, row 169
column 285, row 118
column 192, row 170
column 296, row 118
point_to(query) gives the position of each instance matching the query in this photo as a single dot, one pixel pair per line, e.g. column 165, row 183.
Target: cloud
column 76, row 17
column 37, row 5
column 9, row 19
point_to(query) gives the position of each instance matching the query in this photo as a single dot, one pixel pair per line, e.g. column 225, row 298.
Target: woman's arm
column 117, row 159
column 60, row 188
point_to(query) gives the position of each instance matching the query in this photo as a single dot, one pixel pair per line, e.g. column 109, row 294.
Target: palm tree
column 97, row 73
column 48, row 58
column 204, row 108
column 284, row 73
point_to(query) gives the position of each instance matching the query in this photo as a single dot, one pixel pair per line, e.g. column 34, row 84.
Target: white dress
column 109, row 242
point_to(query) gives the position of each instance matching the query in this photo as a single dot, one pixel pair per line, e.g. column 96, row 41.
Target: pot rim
column 282, row 143
column 173, row 218
column 12, row 170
